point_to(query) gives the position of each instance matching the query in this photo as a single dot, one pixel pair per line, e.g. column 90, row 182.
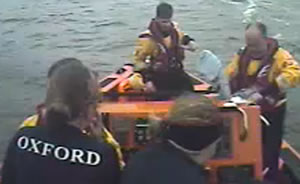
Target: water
column 34, row 34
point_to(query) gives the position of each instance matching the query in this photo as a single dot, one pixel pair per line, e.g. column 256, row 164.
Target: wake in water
column 250, row 14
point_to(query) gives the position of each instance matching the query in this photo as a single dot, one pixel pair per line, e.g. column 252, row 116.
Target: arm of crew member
column 187, row 42
column 285, row 72
column 289, row 76
column 143, row 48
column 232, row 68
column 9, row 165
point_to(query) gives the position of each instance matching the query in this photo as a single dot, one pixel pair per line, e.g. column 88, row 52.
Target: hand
column 244, row 93
column 136, row 81
column 249, row 94
column 255, row 97
column 149, row 87
column 191, row 46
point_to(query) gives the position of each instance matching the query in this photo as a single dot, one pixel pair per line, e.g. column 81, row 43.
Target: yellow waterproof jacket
column 284, row 72
column 146, row 47
column 32, row 121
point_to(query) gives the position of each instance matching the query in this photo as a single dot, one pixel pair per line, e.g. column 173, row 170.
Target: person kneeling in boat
column 159, row 53
column 189, row 137
column 58, row 151
column 261, row 72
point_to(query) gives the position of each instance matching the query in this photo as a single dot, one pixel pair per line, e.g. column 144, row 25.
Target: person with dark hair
column 164, row 10
column 61, row 63
column 261, row 72
column 188, row 137
column 67, row 146
column 159, row 53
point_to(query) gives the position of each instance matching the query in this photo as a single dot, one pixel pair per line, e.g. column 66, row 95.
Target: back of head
column 194, row 122
column 68, row 92
column 61, row 63
column 164, row 11
column 193, row 110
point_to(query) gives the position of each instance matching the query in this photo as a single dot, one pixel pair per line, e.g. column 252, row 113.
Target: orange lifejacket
column 124, row 86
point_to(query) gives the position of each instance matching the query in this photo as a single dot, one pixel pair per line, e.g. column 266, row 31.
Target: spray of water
column 251, row 13
column 251, row 16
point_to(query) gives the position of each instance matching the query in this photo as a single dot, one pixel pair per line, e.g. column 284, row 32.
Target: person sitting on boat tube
column 59, row 151
column 38, row 118
column 188, row 137
column 261, row 72
column 159, row 53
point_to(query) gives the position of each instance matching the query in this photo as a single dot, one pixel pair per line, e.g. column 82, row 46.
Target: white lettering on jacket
column 77, row 156
column 34, row 146
column 93, row 158
column 23, row 142
column 47, row 149
column 62, row 153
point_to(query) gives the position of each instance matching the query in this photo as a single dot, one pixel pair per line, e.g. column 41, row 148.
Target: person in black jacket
column 60, row 151
column 188, row 139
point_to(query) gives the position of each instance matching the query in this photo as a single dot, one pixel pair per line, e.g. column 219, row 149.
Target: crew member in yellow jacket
column 261, row 72
column 159, row 53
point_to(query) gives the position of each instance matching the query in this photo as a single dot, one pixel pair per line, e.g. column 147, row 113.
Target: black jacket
column 162, row 164
column 40, row 156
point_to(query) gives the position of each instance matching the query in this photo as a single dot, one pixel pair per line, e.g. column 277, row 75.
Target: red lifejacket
column 168, row 58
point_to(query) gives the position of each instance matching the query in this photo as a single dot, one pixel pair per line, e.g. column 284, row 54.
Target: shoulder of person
column 147, row 155
column 29, row 126
column 282, row 54
column 283, row 58
column 24, row 133
column 30, row 121
column 169, row 162
column 102, row 147
column 145, row 35
column 157, row 153
column 179, row 31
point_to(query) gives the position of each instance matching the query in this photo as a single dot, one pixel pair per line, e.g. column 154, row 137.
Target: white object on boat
column 239, row 100
column 210, row 69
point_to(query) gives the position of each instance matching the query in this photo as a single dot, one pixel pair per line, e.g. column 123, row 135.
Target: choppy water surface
column 34, row 34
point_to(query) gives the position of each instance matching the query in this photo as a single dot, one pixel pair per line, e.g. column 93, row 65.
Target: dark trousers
column 175, row 80
column 171, row 84
column 272, row 139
